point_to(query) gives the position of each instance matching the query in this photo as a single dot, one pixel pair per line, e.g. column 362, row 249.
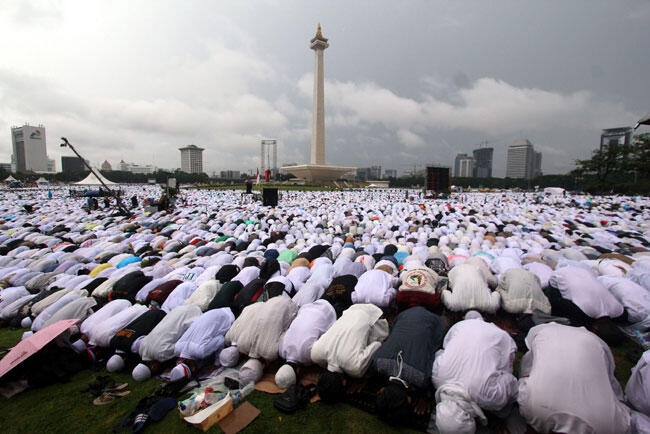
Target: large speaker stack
column 438, row 179
column 270, row 197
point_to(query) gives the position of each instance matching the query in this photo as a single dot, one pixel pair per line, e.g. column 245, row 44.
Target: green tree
column 640, row 161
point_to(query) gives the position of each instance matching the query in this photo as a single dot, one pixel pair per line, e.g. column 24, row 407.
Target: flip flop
column 103, row 399
column 117, row 388
column 119, row 394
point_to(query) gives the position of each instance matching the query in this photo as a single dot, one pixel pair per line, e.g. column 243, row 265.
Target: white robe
column 204, row 294
column 178, row 296
column 102, row 333
column 634, row 297
column 478, row 356
column 298, row 276
column 43, row 317
column 205, row 336
column 259, row 329
column 105, row 312
column 583, row 288
column 376, row 287
column 469, row 290
column 80, row 309
column 637, row 390
column 142, row 294
column 311, row 322
column 521, row 292
column 349, row 344
column 567, row 383
column 160, row 342
column 542, row 271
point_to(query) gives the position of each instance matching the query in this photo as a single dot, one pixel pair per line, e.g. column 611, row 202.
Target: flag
column 258, row 176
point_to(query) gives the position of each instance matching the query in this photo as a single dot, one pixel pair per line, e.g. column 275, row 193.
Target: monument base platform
column 317, row 172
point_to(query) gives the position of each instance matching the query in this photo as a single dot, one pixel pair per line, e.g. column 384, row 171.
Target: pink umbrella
column 33, row 344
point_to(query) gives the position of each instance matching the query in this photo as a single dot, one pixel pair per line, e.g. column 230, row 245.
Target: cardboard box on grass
column 209, row 416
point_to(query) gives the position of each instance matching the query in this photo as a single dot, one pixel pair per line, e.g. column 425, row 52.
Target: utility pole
column 118, row 201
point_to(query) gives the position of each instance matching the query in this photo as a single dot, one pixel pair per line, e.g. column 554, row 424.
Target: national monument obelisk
column 317, row 169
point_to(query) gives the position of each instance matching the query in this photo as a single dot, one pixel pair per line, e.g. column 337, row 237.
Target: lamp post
column 118, row 201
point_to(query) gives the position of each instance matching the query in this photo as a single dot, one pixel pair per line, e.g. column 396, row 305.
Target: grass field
column 62, row 408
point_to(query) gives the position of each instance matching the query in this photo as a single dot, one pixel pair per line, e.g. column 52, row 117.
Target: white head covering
column 451, row 419
column 472, row 314
column 79, row 345
column 115, row 363
column 455, row 411
column 229, row 357
column 135, row 346
column 250, row 372
column 26, row 323
column 285, row 376
column 141, row 372
column 180, row 371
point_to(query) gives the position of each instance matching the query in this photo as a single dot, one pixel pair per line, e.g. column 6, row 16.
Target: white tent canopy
column 42, row 180
column 91, row 179
column 554, row 190
column 10, row 179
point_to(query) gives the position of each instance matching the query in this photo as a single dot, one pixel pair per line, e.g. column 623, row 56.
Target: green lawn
column 62, row 408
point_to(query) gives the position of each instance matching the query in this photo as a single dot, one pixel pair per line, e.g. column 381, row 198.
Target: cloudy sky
column 406, row 82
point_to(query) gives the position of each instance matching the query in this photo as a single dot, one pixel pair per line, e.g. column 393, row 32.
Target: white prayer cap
column 141, row 372
column 79, row 345
column 135, row 346
column 250, row 372
column 26, row 322
column 26, row 335
column 285, row 376
column 229, row 357
column 180, row 371
column 115, row 363
column 452, row 419
column 472, row 314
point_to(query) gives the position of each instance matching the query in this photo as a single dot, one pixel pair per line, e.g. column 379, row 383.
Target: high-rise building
column 136, row 168
column 72, row 164
column 483, row 161
column 230, row 174
column 30, row 150
column 390, row 173
column 463, row 166
column 191, row 159
column 522, row 161
column 618, row 136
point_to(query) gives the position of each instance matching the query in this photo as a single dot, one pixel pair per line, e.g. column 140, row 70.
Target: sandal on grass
column 103, row 399
column 108, row 397
column 117, row 388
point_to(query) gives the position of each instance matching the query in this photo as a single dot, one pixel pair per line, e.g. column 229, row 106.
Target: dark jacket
column 416, row 334
column 247, row 295
column 226, row 295
column 140, row 326
column 162, row 291
column 128, row 286
column 339, row 293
